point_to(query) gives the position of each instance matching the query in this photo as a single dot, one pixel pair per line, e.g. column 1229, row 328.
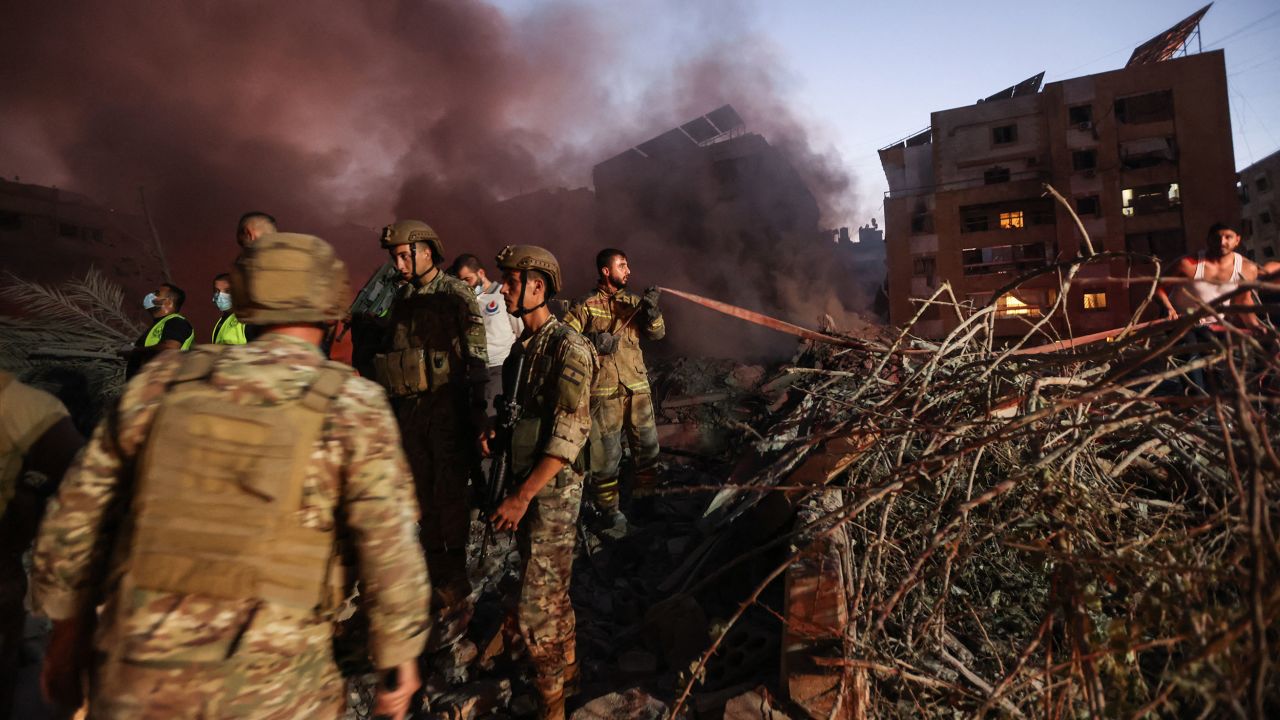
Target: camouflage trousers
column 625, row 417
column 264, row 686
column 439, row 441
column 546, row 539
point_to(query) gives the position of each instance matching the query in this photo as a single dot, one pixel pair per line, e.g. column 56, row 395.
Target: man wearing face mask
column 169, row 329
column 500, row 327
column 434, row 366
column 228, row 330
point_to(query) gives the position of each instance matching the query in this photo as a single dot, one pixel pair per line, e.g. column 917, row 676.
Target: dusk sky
column 864, row 74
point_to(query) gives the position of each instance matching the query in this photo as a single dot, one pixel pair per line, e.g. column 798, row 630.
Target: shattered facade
column 1140, row 153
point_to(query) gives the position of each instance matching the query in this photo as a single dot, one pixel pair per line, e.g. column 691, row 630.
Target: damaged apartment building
column 1142, row 153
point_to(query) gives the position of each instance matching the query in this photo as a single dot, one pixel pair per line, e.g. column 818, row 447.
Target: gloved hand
column 649, row 301
column 606, row 343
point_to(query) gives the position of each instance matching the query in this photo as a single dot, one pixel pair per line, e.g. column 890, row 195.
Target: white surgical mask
column 149, row 301
column 222, row 301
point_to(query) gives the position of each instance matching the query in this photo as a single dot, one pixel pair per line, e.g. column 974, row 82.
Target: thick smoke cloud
column 339, row 116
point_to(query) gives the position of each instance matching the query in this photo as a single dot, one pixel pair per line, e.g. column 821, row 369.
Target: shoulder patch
column 492, row 307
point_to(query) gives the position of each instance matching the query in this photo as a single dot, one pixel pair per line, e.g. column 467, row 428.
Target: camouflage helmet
column 289, row 278
column 408, row 232
column 531, row 257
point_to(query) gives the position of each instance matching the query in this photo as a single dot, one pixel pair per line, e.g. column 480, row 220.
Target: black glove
column 606, row 343
column 649, row 301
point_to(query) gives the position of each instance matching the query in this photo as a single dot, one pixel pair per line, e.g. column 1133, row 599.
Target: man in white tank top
column 1215, row 271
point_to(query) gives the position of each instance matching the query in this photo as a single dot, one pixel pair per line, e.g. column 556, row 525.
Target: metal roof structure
column 1168, row 43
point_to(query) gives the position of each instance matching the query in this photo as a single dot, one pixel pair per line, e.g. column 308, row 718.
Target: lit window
column 1095, row 301
column 1010, row 305
column 1011, row 220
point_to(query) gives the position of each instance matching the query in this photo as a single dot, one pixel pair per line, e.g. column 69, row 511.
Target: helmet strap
column 521, row 310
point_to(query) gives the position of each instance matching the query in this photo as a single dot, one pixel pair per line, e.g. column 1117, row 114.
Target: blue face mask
column 149, row 301
column 222, row 301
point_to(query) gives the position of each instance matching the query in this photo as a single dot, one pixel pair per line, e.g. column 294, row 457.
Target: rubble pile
column 969, row 528
column 908, row 529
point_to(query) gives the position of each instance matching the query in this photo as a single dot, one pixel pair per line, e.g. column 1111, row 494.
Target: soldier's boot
column 606, row 518
column 644, row 486
column 571, row 687
column 550, row 697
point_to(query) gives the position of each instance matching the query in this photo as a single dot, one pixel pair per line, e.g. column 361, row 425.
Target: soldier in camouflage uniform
column 435, row 368
column 545, row 453
column 211, row 512
column 621, row 403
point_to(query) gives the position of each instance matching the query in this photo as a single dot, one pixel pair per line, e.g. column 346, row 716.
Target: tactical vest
column 229, row 331
column 425, row 341
column 219, row 487
column 531, row 431
column 157, row 330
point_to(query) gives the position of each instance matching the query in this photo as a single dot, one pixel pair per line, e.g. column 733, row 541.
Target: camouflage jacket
column 555, row 408
column 356, row 483
column 599, row 311
column 441, row 318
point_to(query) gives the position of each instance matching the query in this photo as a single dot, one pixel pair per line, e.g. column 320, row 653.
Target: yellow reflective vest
column 157, row 331
column 228, row 331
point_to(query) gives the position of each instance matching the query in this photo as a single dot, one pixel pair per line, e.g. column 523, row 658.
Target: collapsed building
column 1143, row 154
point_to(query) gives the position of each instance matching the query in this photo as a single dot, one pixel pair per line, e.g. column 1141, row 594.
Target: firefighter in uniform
column 613, row 319
column 545, row 452
column 434, row 367
column 211, row 513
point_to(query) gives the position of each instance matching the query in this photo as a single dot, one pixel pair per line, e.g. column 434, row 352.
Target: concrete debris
column 753, row 705
column 633, row 704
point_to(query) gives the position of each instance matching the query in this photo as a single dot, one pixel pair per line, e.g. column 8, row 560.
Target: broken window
column 68, row 230
column 923, row 265
column 973, row 219
column 1004, row 134
column 1149, row 107
column 1149, row 199
column 1164, row 244
column 996, row 175
column 1268, row 252
column 1265, row 217
column 1088, row 205
column 1243, row 189
column 1080, row 115
column 1095, row 301
column 1263, row 184
column 1002, row 258
column 1011, row 220
column 1148, row 152
column 1084, row 160
column 922, row 223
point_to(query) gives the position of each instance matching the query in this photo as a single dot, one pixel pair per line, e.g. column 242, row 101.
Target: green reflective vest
column 157, row 330
column 228, row 331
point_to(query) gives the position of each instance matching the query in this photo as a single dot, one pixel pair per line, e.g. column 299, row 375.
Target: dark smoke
column 338, row 117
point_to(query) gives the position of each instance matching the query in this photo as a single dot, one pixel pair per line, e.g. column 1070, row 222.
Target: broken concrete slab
column 753, row 705
column 632, row 704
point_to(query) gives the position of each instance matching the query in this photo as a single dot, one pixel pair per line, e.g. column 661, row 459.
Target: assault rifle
column 374, row 299
column 495, row 490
